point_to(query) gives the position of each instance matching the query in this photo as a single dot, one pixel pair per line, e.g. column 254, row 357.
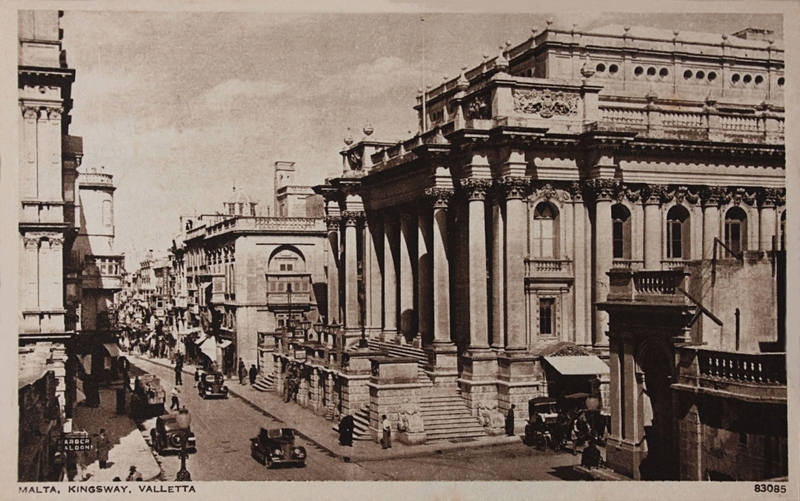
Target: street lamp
column 184, row 420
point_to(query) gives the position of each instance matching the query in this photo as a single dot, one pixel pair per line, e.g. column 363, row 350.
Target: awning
column 224, row 344
column 578, row 365
column 112, row 350
column 200, row 340
column 209, row 348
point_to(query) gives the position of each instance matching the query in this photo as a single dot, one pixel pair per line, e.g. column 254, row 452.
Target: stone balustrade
column 538, row 267
column 648, row 286
column 757, row 368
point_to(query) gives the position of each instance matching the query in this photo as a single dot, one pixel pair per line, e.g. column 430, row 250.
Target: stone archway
column 655, row 366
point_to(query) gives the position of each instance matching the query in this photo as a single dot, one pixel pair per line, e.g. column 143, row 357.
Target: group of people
column 244, row 373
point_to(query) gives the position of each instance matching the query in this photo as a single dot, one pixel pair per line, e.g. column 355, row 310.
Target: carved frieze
column 476, row 188
column 654, row 194
column 683, row 194
column 332, row 222
column 545, row 103
column 770, row 197
column 626, row 192
column 479, row 108
column 549, row 192
column 440, row 196
column 739, row 195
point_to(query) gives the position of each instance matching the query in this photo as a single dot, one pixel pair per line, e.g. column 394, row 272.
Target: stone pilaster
column 768, row 198
column 711, row 198
column 602, row 190
column 651, row 200
column 334, row 269
column 515, row 189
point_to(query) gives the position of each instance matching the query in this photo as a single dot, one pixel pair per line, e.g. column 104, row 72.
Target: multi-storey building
column 487, row 239
column 242, row 276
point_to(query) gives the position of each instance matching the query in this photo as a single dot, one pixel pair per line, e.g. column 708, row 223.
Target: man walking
column 178, row 372
column 386, row 441
column 253, row 374
column 242, row 371
column 175, row 392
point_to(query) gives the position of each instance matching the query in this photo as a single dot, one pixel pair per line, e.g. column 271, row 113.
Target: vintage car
column 275, row 446
column 212, row 384
column 148, row 397
column 167, row 436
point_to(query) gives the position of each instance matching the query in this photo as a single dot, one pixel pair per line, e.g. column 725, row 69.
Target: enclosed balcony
column 102, row 272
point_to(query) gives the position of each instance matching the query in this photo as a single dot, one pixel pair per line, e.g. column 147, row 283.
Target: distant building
column 239, row 277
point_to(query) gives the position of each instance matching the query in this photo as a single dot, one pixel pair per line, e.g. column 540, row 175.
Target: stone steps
column 265, row 383
column 361, row 428
column 447, row 417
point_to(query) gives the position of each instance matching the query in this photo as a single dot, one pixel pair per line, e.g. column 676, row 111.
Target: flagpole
column 424, row 97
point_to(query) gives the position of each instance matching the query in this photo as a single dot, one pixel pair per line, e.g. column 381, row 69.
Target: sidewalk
column 128, row 446
column 318, row 430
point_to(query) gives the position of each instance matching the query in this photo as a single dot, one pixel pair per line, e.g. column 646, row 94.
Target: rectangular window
column 733, row 235
column 674, row 240
column 546, row 307
column 619, row 240
column 543, row 237
column 283, row 267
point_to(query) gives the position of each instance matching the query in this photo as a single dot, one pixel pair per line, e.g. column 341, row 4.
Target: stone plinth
column 442, row 364
column 478, row 380
column 520, row 379
column 624, row 457
column 394, row 390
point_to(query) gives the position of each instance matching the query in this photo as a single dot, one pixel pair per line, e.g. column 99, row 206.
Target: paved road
column 223, row 429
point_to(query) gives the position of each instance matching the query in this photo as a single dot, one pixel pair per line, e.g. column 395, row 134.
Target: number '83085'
column 780, row 489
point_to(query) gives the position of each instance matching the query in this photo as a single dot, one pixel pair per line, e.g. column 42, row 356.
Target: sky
column 182, row 106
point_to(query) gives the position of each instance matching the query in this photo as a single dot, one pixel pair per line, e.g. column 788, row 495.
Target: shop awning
column 578, row 365
column 112, row 350
column 209, row 348
column 224, row 344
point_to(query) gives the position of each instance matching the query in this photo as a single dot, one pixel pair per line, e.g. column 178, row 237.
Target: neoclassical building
column 485, row 242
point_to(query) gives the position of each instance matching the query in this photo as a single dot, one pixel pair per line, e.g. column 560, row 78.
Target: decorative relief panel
column 354, row 159
column 479, row 108
column 545, row 103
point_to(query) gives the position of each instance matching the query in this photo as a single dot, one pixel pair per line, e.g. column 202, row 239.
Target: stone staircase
column 361, row 420
column 265, row 383
column 447, row 417
column 396, row 350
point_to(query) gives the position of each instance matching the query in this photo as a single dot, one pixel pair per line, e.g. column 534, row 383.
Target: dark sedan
column 167, row 436
column 277, row 446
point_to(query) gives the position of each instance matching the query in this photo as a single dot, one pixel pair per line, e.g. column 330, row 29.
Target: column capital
column 576, row 190
column 332, row 222
column 771, row 197
column 683, row 194
column 739, row 195
column 352, row 218
column 714, row 196
column 31, row 242
column 476, row 188
column 654, row 194
column 440, row 196
column 626, row 192
column 601, row 190
column 514, row 188
column 56, row 242
column 29, row 111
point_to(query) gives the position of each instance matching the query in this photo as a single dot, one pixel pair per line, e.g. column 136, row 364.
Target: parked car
column 212, row 384
column 277, row 446
column 167, row 436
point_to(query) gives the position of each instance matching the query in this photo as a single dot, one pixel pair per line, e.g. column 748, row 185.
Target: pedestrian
column 253, row 374
column 178, row 374
column 242, row 371
column 196, row 375
column 134, row 476
column 510, row 421
column 102, row 447
column 346, row 427
column 386, row 441
column 175, row 392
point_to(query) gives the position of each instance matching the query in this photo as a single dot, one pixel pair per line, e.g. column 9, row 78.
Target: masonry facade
column 488, row 238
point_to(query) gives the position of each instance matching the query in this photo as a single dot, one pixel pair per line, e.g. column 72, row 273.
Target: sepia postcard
column 399, row 250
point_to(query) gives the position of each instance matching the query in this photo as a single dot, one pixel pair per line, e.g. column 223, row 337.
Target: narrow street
column 223, row 429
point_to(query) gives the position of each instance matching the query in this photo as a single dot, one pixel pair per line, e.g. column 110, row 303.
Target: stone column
column 712, row 196
column 603, row 253
column 407, row 310
column 515, row 247
column 389, row 278
column 442, row 355
column 478, row 332
column 373, row 288
column 334, row 311
column 350, row 244
column 651, row 200
column 767, row 220
column 424, row 275
column 498, row 271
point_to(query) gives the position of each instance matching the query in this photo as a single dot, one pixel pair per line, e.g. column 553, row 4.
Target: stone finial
column 463, row 82
column 574, row 27
column 501, row 62
column 651, row 95
column 534, row 31
column 675, row 33
column 348, row 139
column 710, row 100
column 587, row 70
column 549, row 22
column 368, row 130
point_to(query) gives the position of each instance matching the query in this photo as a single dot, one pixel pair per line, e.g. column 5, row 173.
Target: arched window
column 621, row 222
column 678, row 234
column 736, row 229
column 545, row 231
column 108, row 214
